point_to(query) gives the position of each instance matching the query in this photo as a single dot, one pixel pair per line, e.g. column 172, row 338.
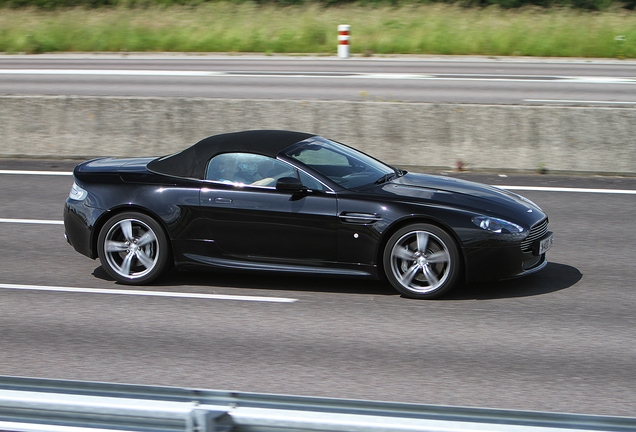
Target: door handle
column 221, row 200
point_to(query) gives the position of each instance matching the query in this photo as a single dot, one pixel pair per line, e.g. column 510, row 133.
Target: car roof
column 192, row 162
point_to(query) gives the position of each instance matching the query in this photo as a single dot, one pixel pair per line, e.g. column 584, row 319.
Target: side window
column 247, row 169
column 311, row 183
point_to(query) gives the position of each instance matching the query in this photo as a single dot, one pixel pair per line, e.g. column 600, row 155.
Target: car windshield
column 343, row 165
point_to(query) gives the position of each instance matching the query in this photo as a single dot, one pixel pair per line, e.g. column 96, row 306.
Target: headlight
column 498, row 226
column 77, row 193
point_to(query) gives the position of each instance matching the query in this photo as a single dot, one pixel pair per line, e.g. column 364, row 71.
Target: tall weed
column 311, row 28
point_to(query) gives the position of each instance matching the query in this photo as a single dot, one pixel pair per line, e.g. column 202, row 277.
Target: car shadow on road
column 264, row 281
column 554, row 277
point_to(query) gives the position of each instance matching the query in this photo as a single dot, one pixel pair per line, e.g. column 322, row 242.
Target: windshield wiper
column 385, row 178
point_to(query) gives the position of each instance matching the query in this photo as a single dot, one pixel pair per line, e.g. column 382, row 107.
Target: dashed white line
column 580, row 101
column 563, row 189
column 122, row 72
column 32, row 221
column 148, row 293
column 356, row 75
column 58, row 173
column 601, row 80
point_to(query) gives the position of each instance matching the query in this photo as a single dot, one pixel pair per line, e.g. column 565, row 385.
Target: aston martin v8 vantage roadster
column 296, row 202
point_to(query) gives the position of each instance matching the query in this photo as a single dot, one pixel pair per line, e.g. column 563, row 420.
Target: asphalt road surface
column 561, row 340
column 405, row 79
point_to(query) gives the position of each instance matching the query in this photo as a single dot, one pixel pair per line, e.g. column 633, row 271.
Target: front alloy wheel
column 133, row 248
column 422, row 261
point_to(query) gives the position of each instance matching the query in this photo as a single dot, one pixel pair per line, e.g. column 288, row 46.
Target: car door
column 251, row 221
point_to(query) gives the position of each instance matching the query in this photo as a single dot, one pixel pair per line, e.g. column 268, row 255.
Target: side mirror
column 290, row 184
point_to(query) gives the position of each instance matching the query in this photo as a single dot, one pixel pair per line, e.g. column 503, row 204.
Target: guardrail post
column 343, row 40
column 203, row 420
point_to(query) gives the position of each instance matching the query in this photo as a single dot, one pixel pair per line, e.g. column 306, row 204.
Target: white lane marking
column 354, row 75
column 121, row 72
column 394, row 76
column 198, row 57
column 562, row 189
column 600, row 80
column 148, row 293
column 579, row 101
column 59, row 173
column 29, row 427
column 32, row 221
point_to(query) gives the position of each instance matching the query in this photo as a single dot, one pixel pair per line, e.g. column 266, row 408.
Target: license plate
column 545, row 244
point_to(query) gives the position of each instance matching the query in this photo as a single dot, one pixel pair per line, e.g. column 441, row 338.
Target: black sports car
column 296, row 202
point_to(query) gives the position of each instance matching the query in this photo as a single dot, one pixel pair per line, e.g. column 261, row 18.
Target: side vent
column 359, row 218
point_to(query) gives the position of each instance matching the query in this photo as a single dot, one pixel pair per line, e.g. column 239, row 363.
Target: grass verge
column 248, row 27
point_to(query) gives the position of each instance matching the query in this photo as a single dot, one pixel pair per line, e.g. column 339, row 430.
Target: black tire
column 133, row 248
column 422, row 261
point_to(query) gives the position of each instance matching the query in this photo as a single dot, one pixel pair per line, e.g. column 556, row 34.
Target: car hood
column 465, row 194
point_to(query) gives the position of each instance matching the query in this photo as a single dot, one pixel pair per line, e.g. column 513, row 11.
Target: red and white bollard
column 343, row 40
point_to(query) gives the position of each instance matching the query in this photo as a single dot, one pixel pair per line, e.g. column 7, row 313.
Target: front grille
column 536, row 232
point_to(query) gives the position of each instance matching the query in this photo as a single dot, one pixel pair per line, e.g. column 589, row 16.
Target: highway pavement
column 561, row 340
column 525, row 81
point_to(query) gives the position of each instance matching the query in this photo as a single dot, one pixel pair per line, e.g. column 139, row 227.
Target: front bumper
column 497, row 263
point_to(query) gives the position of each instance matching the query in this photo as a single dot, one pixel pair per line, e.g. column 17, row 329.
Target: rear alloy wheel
column 422, row 261
column 133, row 248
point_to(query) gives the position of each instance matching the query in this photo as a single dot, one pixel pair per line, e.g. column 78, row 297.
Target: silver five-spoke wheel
column 133, row 248
column 422, row 261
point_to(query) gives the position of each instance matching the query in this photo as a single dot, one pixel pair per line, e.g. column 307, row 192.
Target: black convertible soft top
column 192, row 162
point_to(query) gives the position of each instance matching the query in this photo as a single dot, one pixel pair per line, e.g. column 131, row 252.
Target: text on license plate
column 546, row 244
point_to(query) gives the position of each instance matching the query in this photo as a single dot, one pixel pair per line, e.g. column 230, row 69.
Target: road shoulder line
column 147, row 293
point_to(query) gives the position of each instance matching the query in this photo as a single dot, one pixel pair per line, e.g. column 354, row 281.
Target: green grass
column 248, row 27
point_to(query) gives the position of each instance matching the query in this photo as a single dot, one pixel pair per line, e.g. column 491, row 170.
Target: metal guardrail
column 42, row 405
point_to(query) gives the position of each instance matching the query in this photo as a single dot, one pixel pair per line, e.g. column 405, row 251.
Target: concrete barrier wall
column 482, row 137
